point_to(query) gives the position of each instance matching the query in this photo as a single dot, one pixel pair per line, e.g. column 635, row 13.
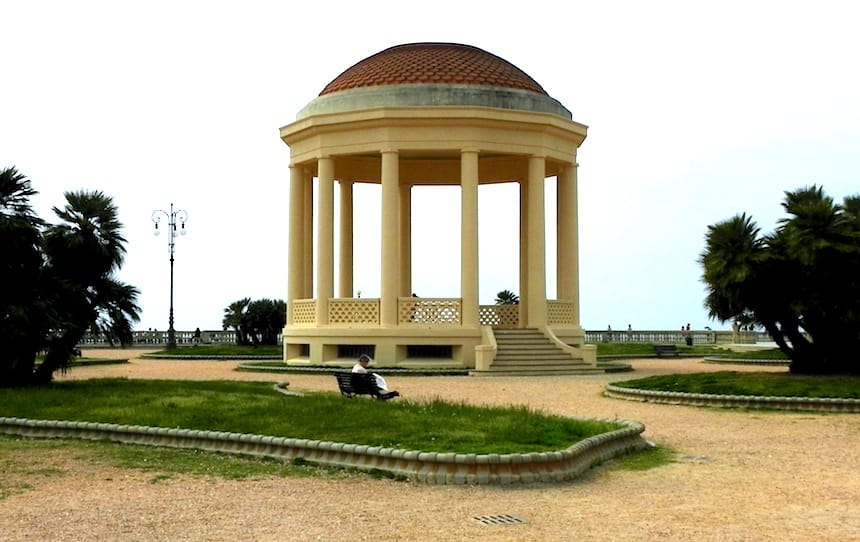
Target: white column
column 469, row 237
column 295, row 276
column 390, row 287
column 567, row 233
column 405, row 241
column 325, row 239
column 524, row 254
column 308, row 220
column 536, row 243
column 346, row 240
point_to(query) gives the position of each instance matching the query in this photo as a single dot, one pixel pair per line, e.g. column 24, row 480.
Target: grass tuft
column 650, row 458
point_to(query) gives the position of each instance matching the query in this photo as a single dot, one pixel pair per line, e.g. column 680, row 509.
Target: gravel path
column 738, row 476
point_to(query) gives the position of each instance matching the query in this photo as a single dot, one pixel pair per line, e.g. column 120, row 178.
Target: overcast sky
column 696, row 111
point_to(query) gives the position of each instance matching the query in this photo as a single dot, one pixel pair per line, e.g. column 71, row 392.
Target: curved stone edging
column 301, row 369
column 427, row 467
column 747, row 361
column 98, row 361
column 212, row 357
column 735, row 401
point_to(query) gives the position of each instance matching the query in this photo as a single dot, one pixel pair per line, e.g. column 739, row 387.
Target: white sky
column 696, row 111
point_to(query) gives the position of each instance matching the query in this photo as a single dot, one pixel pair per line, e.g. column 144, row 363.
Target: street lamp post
column 173, row 217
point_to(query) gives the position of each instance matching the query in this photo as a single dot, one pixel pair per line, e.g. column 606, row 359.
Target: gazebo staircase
column 527, row 352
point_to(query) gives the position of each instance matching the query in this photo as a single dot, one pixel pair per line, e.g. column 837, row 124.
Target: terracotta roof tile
column 438, row 63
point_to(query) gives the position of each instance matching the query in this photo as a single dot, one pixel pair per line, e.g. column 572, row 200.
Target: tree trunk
column 779, row 338
column 59, row 356
column 16, row 368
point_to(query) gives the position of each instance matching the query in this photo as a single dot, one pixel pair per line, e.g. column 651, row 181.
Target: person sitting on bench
column 361, row 367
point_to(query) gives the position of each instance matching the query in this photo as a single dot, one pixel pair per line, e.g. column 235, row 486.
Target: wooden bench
column 354, row 384
column 665, row 350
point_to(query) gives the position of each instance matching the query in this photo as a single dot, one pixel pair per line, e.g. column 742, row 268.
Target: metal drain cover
column 695, row 459
column 500, row 519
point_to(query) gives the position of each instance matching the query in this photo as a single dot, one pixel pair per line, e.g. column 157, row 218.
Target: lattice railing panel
column 422, row 310
column 304, row 311
column 499, row 315
column 353, row 311
column 560, row 312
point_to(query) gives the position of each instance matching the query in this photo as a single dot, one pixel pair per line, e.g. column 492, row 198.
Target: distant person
column 196, row 337
column 361, row 367
column 413, row 308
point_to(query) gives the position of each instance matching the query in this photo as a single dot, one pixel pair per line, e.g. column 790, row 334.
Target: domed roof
column 433, row 75
column 433, row 63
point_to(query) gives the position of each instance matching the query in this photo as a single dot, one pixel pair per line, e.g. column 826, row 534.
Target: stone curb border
column 214, row 357
column 427, row 467
column 748, row 361
column 735, row 401
column 91, row 362
column 299, row 369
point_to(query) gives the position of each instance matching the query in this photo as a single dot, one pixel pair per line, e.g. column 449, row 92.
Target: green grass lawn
column 254, row 407
column 768, row 354
column 204, row 350
column 647, row 349
column 745, row 383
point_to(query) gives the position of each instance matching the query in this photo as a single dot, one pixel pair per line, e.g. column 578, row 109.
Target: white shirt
column 380, row 382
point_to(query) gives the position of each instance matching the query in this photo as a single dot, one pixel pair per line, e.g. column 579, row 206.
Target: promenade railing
column 149, row 338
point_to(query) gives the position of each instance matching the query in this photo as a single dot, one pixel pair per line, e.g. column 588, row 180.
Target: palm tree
column 234, row 316
column 732, row 249
column 23, row 319
column 799, row 282
column 507, row 297
column 57, row 281
column 263, row 320
column 822, row 240
column 83, row 252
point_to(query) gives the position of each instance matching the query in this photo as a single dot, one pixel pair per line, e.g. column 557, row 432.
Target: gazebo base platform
column 439, row 347
column 502, row 352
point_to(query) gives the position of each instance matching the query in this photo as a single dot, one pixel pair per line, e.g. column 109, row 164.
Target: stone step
column 527, row 352
column 535, row 350
column 525, row 344
column 541, row 371
column 533, row 361
column 528, row 359
column 511, row 333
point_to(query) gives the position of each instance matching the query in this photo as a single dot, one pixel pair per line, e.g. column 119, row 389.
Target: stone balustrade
column 447, row 312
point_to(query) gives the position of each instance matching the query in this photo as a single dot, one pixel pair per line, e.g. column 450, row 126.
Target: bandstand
column 428, row 114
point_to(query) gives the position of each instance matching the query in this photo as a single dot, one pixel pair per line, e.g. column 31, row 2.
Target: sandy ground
column 737, row 476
